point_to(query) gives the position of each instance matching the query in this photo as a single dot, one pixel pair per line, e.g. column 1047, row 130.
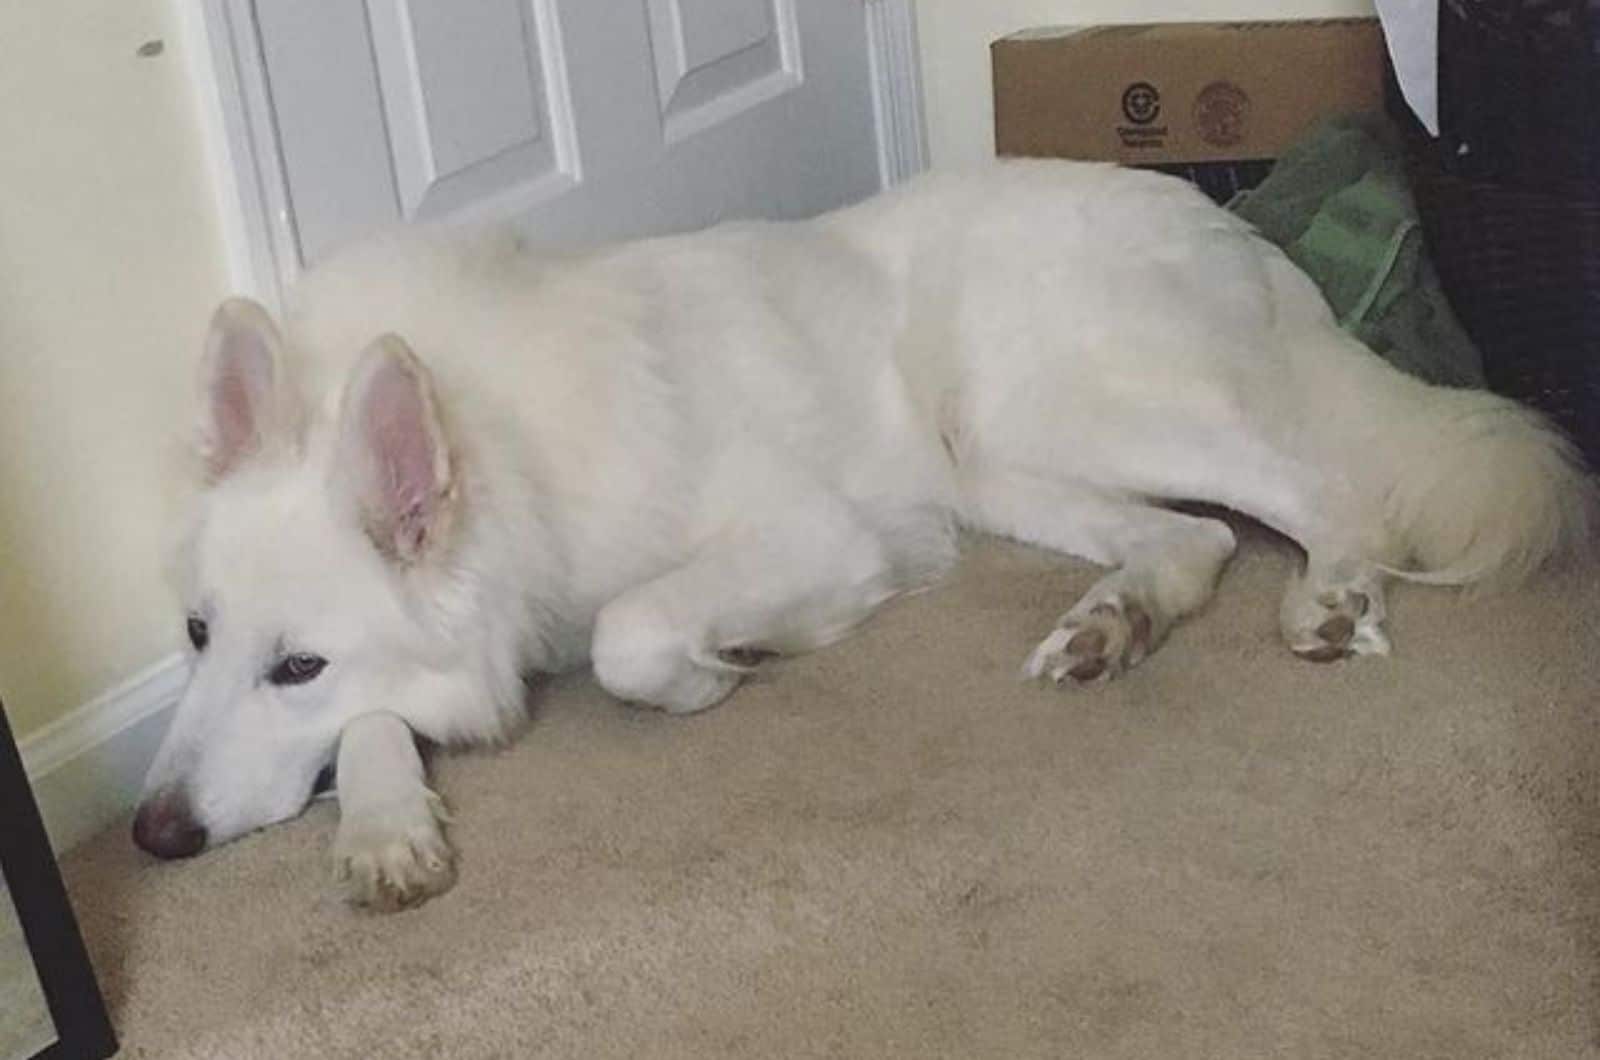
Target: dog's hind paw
column 1094, row 644
column 1337, row 624
column 396, row 856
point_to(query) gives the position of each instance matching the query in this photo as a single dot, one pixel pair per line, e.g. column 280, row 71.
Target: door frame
column 246, row 165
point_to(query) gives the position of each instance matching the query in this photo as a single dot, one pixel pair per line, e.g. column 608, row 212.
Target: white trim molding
column 87, row 767
column 226, row 71
column 897, row 90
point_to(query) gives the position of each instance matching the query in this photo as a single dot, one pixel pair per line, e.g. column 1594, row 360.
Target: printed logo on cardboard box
column 1221, row 110
column 1141, row 105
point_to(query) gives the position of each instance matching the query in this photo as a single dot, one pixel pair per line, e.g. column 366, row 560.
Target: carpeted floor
column 894, row 849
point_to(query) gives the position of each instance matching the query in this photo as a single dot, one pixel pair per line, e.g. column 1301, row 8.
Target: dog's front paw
column 394, row 856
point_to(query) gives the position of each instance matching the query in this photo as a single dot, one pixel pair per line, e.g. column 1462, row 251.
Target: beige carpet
column 894, row 849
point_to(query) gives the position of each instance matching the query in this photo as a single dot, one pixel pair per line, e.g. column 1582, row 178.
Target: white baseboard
column 86, row 768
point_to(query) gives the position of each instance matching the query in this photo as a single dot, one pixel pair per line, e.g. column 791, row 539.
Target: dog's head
column 296, row 576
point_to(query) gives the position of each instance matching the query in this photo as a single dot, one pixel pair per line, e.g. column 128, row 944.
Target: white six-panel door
column 583, row 120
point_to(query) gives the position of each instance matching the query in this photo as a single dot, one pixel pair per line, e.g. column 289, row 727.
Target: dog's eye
column 297, row 669
column 199, row 634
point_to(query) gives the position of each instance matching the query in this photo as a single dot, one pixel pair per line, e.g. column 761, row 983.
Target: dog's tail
column 1487, row 491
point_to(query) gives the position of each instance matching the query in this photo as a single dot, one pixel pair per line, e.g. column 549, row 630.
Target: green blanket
column 1338, row 204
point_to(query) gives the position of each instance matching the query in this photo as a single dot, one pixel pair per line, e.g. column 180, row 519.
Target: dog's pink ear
column 394, row 450
column 245, row 399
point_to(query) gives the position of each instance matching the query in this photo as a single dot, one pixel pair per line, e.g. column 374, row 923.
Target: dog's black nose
column 165, row 826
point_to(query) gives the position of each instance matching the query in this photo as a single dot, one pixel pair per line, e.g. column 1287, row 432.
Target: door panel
column 464, row 100
column 717, row 58
column 581, row 120
column 328, row 115
column 714, row 29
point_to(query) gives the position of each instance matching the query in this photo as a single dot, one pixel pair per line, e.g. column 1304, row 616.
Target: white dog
column 670, row 457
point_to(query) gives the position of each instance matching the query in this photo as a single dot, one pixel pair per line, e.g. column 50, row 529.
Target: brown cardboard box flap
column 1180, row 92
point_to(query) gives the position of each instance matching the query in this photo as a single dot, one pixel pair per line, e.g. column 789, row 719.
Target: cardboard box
column 1214, row 101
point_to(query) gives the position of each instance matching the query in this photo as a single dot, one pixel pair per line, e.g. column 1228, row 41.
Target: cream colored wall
column 110, row 260
column 955, row 35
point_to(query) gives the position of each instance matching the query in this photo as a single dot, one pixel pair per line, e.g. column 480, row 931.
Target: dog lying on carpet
column 668, row 458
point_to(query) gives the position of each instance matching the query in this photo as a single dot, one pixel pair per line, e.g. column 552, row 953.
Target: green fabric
column 1338, row 204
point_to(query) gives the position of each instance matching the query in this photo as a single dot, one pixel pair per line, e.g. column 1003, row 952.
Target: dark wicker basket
column 1522, row 271
column 1509, row 195
column 1519, row 92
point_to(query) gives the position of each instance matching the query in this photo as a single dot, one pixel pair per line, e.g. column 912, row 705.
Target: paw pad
column 1348, row 627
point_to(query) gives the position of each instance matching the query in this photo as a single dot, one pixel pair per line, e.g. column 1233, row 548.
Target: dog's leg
column 390, row 852
column 683, row 641
column 1334, row 609
column 1166, row 567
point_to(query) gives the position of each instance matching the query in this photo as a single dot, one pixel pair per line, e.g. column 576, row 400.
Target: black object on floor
column 1509, row 195
column 66, row 978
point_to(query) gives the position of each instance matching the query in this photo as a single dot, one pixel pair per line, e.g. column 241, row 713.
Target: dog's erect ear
column 245, row 397
column 394, row 452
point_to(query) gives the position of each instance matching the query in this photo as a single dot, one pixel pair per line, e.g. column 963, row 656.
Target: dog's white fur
column 664, row 456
